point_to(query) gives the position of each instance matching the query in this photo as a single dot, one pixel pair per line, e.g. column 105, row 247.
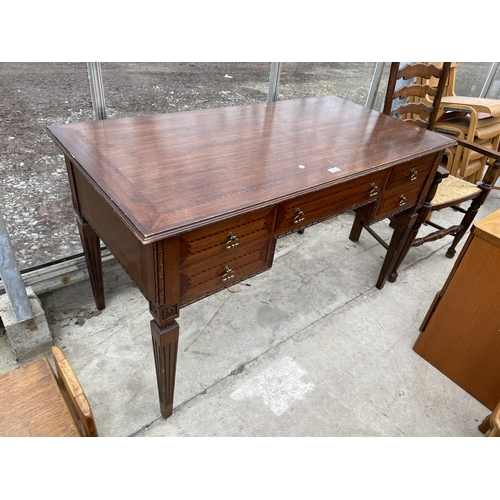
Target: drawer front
column 208, row 277
column 411, row 172
column 397, row 200
column 224, row 238
column 330, row 201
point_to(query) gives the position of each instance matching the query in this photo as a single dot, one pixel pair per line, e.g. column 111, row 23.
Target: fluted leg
column 92, row 250
column 165, row 345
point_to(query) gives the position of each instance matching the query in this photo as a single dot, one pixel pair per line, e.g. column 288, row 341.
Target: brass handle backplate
column 228, row 274
column 402, row 200
column 299, row 216
column 232, row 241
column 374, row 189
column 413, row 174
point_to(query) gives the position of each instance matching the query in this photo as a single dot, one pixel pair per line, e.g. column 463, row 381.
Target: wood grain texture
column 170, row 173
column 488, row 228
column 461, row 336
column 73, row 392
column 32, row 404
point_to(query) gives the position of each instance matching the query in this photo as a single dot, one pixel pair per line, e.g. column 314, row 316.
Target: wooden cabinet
column 460, row 335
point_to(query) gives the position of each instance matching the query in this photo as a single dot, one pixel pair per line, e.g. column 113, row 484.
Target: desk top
column 31, row 403
column 169, row 173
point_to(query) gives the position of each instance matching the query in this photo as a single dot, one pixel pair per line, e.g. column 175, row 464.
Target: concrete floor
column 308, row 348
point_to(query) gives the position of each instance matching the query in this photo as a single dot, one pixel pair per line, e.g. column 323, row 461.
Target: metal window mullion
column 11, row 277
column 274, row 81
column 96, row 90
column 489, row 80
column 377, row 77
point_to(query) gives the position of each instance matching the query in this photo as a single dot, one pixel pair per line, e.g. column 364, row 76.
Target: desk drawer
column 398, row 200
column 208, row 277
column 330, row 201
column 411, row 172
column 224, row 238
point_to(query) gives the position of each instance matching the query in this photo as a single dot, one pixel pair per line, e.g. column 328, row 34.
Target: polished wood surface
column 32, row 404
column 480, row 104
column 167, row 174
column 460, row 335
column 190, row 203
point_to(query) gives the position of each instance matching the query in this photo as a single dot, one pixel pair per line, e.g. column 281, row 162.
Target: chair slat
column 414, row 90
column 418, row 108
column 423, row 70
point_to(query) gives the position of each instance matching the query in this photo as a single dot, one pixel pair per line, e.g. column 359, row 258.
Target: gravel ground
column 34, row 195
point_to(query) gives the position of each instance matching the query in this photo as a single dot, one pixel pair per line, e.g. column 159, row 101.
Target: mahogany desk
column 190, row 203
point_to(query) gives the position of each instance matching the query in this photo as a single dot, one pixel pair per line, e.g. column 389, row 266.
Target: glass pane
column 494, row 90
column 378, row 103
column 133, row 89
column 350, row 80
column 34, row 190
column 471, row 77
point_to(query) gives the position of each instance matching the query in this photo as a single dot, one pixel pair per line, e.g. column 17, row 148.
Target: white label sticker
column 334, row 169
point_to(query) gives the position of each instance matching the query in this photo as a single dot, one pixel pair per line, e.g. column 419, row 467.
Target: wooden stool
column 33, row 402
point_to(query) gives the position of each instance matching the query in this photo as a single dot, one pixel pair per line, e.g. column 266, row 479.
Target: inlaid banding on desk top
column 164, row 173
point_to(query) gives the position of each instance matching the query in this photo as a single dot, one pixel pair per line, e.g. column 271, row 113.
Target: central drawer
column 334, row 200
column 208, row 277
column 224, row 238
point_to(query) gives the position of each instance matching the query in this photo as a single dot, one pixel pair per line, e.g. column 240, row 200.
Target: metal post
column 96, row 90
column 489, row 80
column 377, row 77
column 11, row 277
column 274, row 81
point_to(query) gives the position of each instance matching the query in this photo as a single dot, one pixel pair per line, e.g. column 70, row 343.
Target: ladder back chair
column 447, row 190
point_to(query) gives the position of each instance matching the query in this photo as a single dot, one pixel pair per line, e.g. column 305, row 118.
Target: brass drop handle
column 402, row 200
column 413, row 174
column 228, row 274
column 299, row 216
column 232, row 241
column 374, row 189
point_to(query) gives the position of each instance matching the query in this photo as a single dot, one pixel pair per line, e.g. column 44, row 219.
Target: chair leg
column 422, row 217
column 469, row 217
column 399, row 242
column 489, row 180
